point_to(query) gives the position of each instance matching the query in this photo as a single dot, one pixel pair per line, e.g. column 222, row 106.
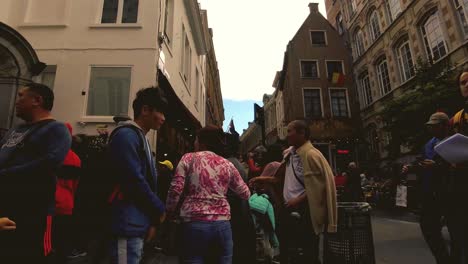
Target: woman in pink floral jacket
column 205, row 212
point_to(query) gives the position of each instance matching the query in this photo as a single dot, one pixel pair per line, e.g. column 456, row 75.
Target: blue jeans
column 203, row 242
column 126, row 250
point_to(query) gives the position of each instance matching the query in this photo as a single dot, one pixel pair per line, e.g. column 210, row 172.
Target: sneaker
column 77, row 254
column 275, row 260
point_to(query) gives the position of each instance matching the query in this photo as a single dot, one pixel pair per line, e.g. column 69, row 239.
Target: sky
column 250, row 37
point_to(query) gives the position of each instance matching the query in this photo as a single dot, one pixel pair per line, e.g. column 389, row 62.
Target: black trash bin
column 353, row 243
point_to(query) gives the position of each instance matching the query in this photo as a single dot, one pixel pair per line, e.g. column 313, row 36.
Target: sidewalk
column 398, row 239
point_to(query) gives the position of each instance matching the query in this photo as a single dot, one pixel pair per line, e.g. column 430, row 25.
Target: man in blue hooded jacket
column 136, row 210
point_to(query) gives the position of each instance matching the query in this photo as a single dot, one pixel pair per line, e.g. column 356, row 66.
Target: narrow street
column 397, row 240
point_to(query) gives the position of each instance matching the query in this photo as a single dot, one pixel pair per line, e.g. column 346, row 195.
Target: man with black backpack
column 30, row 155
column 136, row 210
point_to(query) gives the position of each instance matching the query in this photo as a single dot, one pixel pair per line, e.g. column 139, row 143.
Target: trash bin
column 353, row 243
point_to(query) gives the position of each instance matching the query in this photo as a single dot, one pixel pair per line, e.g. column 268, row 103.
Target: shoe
column 275, row 259
column 77, row 254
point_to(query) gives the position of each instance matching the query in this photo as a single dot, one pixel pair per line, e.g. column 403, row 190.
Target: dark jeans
column 297, row 232
column 431, row 227
column 206, row 242
column 457, row 223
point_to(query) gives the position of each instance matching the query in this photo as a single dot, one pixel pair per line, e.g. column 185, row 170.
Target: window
column 197, row 88
column 186, row 58
column 384, row 79
column 366, row 93
column 352, row 8
column 318, row 38
column 312, row 103
column 339, row 24
column 359, row 43
column 373, row 138
column 405, row 61
column 462, row 9
column 339, row 102
column 433, row 37
column 334, row 67
column 394, row 8
column 309, row 69
column 169, row 20
column 120, row 11
column 109, row 89
column 48, row 76
column 50, row 12
column 374, row 27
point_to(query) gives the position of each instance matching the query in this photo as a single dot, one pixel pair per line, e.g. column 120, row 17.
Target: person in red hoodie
column 64, row 224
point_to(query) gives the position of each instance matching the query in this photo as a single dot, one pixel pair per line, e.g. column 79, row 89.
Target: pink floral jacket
column 210, row 177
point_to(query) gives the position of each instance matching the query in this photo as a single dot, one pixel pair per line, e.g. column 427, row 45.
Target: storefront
column 177, row 135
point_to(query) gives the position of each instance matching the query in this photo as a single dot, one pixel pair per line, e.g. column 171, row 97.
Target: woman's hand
column 7, row 224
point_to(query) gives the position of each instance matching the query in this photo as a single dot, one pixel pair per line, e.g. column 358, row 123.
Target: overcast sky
column 250, row 37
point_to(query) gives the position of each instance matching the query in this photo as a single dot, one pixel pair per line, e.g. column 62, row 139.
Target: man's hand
column 294, row 203
column 162, row 218
column 427, row 163
column 7, row 224
column 151, row 234
column 405, row 169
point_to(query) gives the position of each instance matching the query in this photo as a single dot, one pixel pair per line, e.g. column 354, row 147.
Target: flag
column 338, row 78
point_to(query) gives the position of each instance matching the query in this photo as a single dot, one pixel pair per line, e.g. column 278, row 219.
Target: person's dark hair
column 457, row 80
column 213, row 138
column 43, row 91
column 302, row 127
column 152, row 97
column 232, row 145
column 274, row 153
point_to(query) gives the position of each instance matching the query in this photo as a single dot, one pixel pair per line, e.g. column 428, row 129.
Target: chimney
column 313, row 7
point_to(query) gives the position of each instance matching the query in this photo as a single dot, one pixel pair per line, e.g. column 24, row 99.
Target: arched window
column 383, row 76
column 405, row 59
column 462, row 10
column 365, row 89
column 359, row 42
column 433, row 37
column 374, row 27
column 339, row 23
column 394, row 8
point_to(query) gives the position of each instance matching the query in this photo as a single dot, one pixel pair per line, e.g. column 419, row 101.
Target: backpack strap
column 288, row 158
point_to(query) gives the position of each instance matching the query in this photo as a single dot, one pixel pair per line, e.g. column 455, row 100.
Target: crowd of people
column 50, row 205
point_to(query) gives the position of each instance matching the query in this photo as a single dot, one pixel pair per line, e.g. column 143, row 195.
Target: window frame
column 394, row 3
column 339, row 23
column 324, row 35
column 359, row 45
column 380, row 78
column 304, row 102
column 306, row 77
column 365, row 90
column 423, row 28
column 401, row 63
column 348, row 108
column 186, row 67
column 169, row 20
column 326, row 68
column 464, row 11
column 374, row 21
column 120, row 10
column 88, row 88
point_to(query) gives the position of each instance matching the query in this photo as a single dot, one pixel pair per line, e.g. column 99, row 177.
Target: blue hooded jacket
column 137, row 206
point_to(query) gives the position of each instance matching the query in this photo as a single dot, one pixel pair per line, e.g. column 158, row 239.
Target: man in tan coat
column 308, row 198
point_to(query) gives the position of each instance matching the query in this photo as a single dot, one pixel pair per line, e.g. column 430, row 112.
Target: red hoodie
column 67, row 182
